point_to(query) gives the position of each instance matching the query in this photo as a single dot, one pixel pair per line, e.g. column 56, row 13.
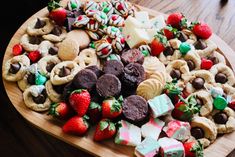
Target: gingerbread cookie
column 47, row 63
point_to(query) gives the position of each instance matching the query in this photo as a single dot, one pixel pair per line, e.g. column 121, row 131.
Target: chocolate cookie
column 133, row 75
column 132, row 56
column 85, row 79
column 113, row 67
column 108, row 85
column 135, row 109
column 96, row 70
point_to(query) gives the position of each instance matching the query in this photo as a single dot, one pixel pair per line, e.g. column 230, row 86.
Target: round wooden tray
column 222, row 146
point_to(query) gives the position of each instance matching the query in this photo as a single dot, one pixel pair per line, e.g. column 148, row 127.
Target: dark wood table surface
column 18, row 137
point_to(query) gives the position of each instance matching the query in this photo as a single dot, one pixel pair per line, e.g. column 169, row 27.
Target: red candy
column 92, row 22
column 34, row 56
column 105, row 51
column 120, row 7
column 79, row 17
column 17, row 50
column 206, row 64
column 109, row 39
column 232, row 105
column 123, row 40
column 114, row 17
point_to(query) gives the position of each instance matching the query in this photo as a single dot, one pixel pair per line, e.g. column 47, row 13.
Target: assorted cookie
column 165, row 83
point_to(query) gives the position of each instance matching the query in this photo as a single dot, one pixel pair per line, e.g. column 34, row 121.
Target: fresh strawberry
column 80, row 101
column 173, row 91
column 158, row 44
column 111, row 107
column 104, row 130
column 17, row 49
column 232, row 105
column 94, row 112
column 202, row 30
column 206, row 64
column 193, row 149
column 184, row 110
column 170, row 32
column 76, row 125
column 60, row 110
column 56, row 12
column 34, row 56
column 176, row 20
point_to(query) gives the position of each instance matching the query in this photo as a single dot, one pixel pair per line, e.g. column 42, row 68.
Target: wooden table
column 18, row 137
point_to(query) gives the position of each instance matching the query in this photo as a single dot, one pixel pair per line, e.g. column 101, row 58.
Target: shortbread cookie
column 15, row 68
column 203, row 129
column 45, row 47
column 64, row 72
column 205, row 101
column 87, row 57
column 210, row 47
column 160, row 76
column 52, row 93
column 35, row 98
column 223, row 74
column 56, row 35
column 81, row 37
column 193, row 60
column 46, row 64
column 149, row 88
column 176, row 68
column 224, row 120
column 40, row 26
column 30, row 43
column 68, row 49
column 169, row 55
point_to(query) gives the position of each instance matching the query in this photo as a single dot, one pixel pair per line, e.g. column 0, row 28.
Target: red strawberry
column 172, row 91
column 170, row 32
column 80, row 101
column 202, row 30
column 94, row 112
column 206, row 64
column 158, row 44
column 112, row 108
column 56, row 12
column 17, row 49
column 184, row 110
column 76, row 125
column 104, row 130
column 175, row 19
column 34, row 56
column 61, row 110
column 232, row 105
column 193, row 149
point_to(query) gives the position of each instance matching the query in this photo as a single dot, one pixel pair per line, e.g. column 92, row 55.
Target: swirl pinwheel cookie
column 47, row 63
column 15, row 68
column 40, row 26
column 56, row 35
column 193, row 60
column 64, row 72
column 35, row 98
column 203, row 130
column 30, row 43
column 223, row 74
column 176, row 68
column 169, row 55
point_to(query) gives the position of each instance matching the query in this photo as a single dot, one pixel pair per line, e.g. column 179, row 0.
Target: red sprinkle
column 105, row 51
column 34, row 56
column 17, row 49
column 206, row 64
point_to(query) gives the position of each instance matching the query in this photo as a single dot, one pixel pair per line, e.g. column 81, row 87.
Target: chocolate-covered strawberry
column 173, row 91
column 80, row 100
column 111, row 107
column 193, row 149
column 170, row 32
column 184, row 110
column 56, row 12
column 60, row 110
column 104, row 130
column 94, row 112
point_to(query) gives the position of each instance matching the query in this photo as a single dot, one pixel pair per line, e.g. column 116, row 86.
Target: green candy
column 145, row 53
column 106, row 10
column 114, row 29
column 40, row 79
column 73, row 5
column 184, row 48
column 113, row 57
column 103, row 16
column 92, row 44
column 220, row 103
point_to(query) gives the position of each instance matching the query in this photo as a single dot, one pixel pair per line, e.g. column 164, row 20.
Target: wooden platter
column 221, row 147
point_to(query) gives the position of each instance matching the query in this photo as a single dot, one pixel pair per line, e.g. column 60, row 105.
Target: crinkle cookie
column 223, row 74
column 15, row 68
column 169, row 55
column 87, row 57
column 52, row 93
column 224, row 120
column 81, row 37
column 30, row 43
column 56, row 35
column 40, row 26
column 210, row 48
column 68, row 49
column 46, row 64
column 204, row 130
column 149, row 88
column 196, row 80
column 176, row 68
column 205, row 100
column 45, row 47
column 193, row 60
column 35, row 98
column 152, row 64
column 64, row 72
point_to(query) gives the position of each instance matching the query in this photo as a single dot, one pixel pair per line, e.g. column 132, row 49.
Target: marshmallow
column 149, row 147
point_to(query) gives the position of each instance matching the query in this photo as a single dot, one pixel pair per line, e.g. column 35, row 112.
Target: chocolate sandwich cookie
column 108, row 85
column 85, row 79
column 133, row 75
column 135, row 109
column 96, row 70
column 132, row 56
column 113, row 67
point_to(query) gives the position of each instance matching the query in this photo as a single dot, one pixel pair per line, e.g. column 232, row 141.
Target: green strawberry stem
column 78, row 91
column 161, row 38
column 53, row 4
column 198, row 149
column 52, row 110
column 172, row 88
column 191, row 104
